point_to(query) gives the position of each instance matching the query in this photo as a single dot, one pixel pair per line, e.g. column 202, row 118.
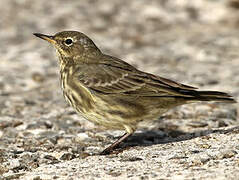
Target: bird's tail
column 210, row 96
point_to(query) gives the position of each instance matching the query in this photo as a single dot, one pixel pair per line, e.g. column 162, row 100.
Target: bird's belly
column 117, row 112
column 104, row 110
column 112, row 112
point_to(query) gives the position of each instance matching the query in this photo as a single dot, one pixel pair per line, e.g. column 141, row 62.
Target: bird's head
column 71, row 44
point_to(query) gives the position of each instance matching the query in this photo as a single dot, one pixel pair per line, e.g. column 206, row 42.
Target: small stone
column 222, row 123
column 52, row 158
column 114, row 173
column 3, row 169
column 81, row 137
column 14, row 163
column 205, row 146
column 197, row 124
column 37, row 77
column 227, row 154
column 131, row 159
column 68, row 156
column 48, row 124
column 14, row 176
column 200, row 160
column 37, row 178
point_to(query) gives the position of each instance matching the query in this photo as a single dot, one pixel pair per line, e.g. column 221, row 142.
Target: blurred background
column 192, row 42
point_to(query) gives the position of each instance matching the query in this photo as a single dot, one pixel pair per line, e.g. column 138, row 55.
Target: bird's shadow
column 148, row 138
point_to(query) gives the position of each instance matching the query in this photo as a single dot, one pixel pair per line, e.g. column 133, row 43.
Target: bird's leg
column 109, row 149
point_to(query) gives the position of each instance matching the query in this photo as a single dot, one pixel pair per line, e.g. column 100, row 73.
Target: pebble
column 227, row 153
column 199, row 159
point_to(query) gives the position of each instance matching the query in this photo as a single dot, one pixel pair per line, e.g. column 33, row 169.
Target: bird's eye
column 68, row 42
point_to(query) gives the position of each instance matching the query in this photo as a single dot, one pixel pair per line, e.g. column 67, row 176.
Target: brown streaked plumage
column 111, row 92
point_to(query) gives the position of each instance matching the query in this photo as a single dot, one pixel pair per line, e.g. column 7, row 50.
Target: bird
column 112, row 93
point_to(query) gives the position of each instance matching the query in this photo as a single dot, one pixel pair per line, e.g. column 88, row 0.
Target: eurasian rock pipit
column 113, row 93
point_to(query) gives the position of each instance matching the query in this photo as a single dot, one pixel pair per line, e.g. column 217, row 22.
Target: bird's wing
column 119, row 77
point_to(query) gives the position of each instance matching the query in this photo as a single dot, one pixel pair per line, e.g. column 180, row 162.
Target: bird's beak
column 48, row 38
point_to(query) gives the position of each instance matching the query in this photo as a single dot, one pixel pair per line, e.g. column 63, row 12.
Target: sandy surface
column 193, row 42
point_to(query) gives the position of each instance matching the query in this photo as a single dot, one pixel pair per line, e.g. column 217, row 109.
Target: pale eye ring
column 68, row 42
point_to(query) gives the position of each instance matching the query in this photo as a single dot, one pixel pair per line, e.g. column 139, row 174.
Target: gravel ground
column 193, row 42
